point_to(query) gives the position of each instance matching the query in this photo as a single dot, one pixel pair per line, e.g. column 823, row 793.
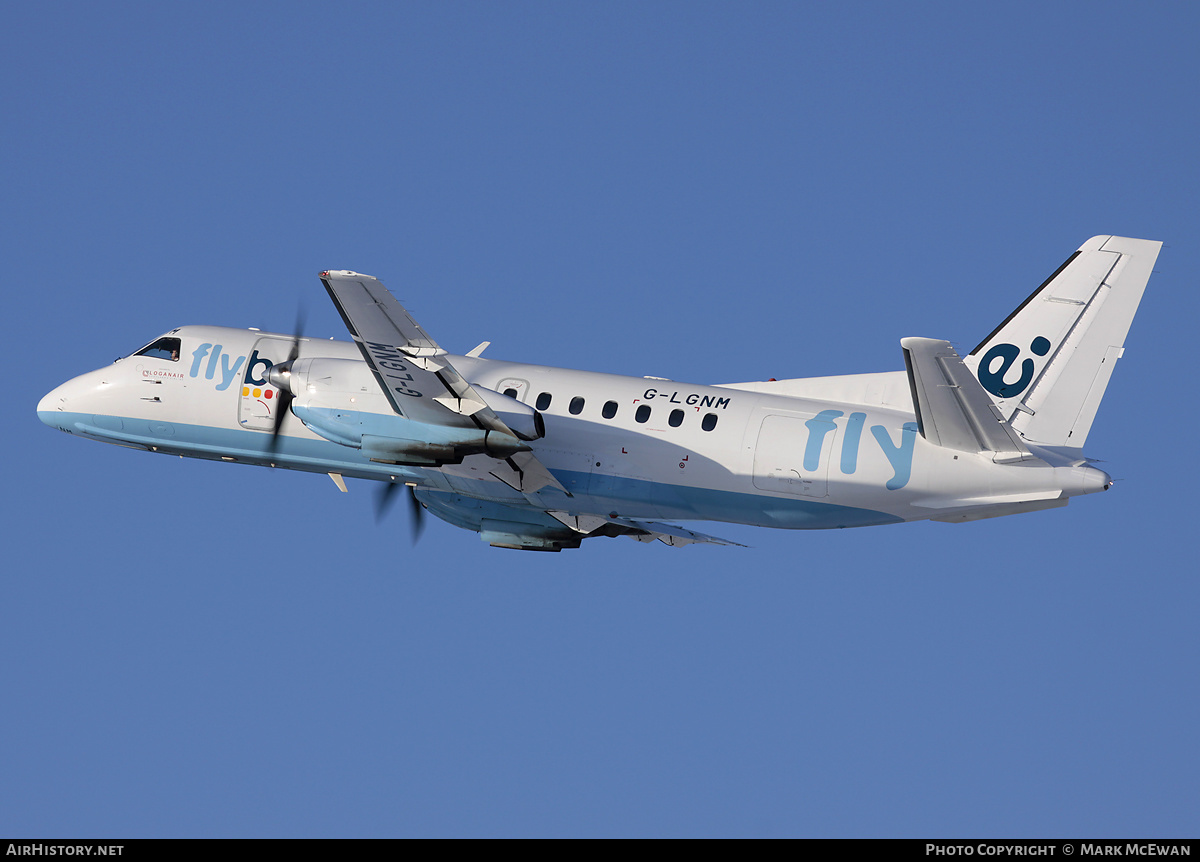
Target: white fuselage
column 801, row 454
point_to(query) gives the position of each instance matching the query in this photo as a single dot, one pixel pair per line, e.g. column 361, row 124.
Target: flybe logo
column 995, row 365
column 220, row 366
column 900, row 457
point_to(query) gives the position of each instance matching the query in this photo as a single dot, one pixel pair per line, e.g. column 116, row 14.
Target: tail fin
column 1047, row 365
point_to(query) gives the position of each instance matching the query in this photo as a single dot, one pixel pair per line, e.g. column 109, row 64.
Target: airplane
column 540, row 458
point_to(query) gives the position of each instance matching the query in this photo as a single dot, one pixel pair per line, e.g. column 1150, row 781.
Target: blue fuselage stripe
column 635, row 498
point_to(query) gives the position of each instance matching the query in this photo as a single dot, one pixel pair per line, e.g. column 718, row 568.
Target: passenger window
column 510, row 392
column 643, row 413
column 543, row 402
column 710, row 421
column 675, row 419
column 576, row 405
column 164, row 348
column 610, row 409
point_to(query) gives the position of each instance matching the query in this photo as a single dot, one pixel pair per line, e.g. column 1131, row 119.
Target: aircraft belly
column 206, row 441
column 635, row 497
column 630, row 497
column 704, row 488
column 643, row 498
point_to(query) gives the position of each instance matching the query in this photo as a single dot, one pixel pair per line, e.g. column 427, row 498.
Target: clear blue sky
column 703, row 191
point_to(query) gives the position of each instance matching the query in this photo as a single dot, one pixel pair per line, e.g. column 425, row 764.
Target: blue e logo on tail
column 993, row 379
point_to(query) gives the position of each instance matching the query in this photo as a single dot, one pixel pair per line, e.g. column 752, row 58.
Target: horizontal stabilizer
column 953, row 409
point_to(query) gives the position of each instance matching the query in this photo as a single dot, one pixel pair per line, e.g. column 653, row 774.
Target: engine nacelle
column 322, row 376
column 423, row 453
column 524, row 421
column 341, row 400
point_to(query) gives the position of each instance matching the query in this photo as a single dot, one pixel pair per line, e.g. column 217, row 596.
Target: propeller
column 280, row 376
column 416, row 512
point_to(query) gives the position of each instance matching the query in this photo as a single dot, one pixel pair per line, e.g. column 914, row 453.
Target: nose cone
column 62, row 406
column 53, row 406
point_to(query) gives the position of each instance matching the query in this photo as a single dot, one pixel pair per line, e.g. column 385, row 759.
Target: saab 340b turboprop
column 541, row 458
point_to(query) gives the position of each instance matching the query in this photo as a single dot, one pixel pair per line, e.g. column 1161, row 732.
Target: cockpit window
column 164, row 348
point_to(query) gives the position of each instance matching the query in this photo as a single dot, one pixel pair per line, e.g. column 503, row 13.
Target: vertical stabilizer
column 1046, row 367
